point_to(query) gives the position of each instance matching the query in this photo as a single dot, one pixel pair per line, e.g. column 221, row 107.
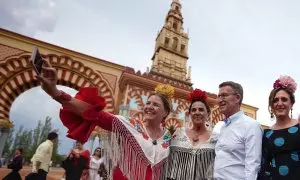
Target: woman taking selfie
column 139, row 146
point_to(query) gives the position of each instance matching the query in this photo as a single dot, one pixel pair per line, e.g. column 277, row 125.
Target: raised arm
column 80, row 114
column 48, row 79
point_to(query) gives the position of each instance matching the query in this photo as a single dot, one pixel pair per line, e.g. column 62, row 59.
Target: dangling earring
column 291, row 113
column 272, row 115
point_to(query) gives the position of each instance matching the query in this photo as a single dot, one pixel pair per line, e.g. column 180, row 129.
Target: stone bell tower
column 170, row 55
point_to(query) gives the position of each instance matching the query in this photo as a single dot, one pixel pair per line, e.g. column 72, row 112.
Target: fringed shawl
column 129, row 146
column 133, row 151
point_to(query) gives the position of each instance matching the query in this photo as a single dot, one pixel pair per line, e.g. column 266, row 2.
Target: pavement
column 54, row 174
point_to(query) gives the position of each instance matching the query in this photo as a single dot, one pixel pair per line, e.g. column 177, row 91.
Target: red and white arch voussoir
column 74, row 73
column 17, row 76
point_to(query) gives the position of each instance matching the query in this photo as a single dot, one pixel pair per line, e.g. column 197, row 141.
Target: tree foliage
column 8, row 143
column 30, row 139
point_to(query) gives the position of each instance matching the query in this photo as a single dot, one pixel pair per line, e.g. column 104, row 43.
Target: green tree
column 36, row 135
column 25, row 142
column 46, row 129
column 30, row 139
column 16, row 141
column 9, row 142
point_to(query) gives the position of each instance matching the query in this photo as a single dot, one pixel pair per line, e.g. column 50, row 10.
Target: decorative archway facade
column 125, row 90
column 75, row 70
column 18, row 76
column 136, row 87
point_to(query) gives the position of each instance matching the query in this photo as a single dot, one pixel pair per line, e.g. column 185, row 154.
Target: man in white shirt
column 42, row 158
column 238, row 149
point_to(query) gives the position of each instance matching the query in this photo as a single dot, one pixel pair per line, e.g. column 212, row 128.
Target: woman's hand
column 48, row 79
column 71, row 156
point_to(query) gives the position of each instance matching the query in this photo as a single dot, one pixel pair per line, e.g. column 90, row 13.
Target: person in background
column 42, row 157
column 103, row 172
column 77, row 163
column 96, row 160
column 16, row 165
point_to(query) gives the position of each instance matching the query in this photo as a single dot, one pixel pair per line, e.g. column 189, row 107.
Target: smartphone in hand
column 37, row 61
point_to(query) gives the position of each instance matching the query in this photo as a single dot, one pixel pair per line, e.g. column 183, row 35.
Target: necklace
column 195, row 139
column 195, row 135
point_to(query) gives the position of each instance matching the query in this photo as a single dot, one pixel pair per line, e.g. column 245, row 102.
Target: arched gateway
column 18, row 76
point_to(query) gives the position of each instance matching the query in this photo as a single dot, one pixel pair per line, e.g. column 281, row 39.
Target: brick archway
column 216, row 115
column 17, row 76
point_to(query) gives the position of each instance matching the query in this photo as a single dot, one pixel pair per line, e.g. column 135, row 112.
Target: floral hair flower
column 285, row 82
column 197, row 94
column 165, row 89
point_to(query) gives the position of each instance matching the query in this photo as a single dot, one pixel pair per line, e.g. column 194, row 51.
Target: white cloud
column 251, row 42
column 28, row 17
column 248, row 42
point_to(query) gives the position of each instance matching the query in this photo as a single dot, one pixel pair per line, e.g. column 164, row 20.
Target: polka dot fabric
column 281, row 154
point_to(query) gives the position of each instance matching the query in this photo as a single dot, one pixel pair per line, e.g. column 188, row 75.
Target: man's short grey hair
column 236, row 87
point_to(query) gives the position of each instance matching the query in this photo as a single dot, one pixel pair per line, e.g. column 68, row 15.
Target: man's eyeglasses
column 225, row 95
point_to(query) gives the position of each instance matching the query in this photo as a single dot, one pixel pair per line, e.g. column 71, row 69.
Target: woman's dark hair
column 203, row 101
column 98, row 148
column 164, row 98
column 273, row 94
column 20, row 149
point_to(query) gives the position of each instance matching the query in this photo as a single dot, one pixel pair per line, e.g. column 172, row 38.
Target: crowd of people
column 143, row 149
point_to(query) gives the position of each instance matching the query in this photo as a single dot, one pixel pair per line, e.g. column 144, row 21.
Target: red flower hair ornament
column 197, row 95
column 286, row 82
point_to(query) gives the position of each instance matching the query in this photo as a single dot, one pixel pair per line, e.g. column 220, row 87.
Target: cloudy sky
column 250, row 42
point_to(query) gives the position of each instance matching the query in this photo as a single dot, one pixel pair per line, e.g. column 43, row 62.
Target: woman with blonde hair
column 139, row 146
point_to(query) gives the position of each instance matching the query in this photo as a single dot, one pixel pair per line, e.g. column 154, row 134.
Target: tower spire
column 170, row 55
column 174, row 16
column 176, row 1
